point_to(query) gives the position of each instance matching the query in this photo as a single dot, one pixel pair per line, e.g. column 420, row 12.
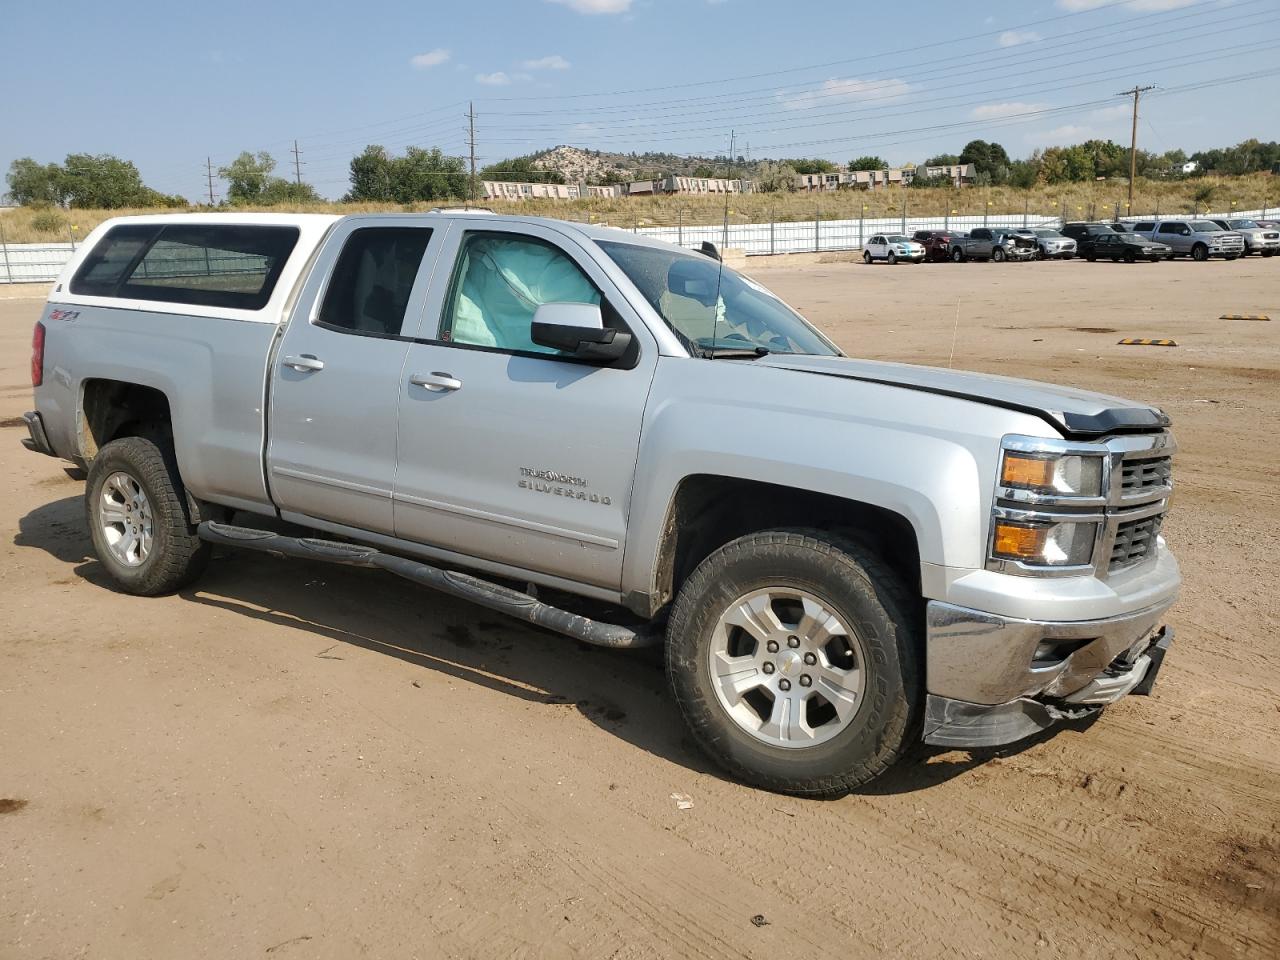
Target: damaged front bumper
column 994, row 680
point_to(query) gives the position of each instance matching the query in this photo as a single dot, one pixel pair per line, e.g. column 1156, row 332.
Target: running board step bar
column 490, row 595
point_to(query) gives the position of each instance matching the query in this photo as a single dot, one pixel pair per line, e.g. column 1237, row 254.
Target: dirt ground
column 307, row 761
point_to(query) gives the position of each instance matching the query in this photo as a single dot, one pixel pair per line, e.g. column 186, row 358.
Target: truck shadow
column 623, row 692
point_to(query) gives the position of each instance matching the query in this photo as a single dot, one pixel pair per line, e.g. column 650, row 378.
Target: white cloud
column 1011, row 38
column 553, row 62
column 495, row 79
column 836, row 90
column 595, row 6
column 1120, row 110
column 1012, row 108
column 1061, row 136
column 1074, row 5
column 432, row 58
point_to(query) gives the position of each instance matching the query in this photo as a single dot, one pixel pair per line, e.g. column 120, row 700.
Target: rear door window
column 372, row 280
column 217, row 265
column 1172, row 227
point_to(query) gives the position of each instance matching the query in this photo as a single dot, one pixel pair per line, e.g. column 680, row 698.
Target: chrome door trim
column 576, row 536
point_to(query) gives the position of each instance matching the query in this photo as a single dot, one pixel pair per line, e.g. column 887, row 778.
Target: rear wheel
column 135, row 505
column 793, row 656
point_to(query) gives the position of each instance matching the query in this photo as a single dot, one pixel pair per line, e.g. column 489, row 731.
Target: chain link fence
column 42, row 262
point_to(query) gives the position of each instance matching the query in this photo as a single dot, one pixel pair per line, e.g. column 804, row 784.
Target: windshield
column 681, row 287
column 1133, row 238
column 899, row 238
column 1046, row 234
column 1204, row 226
column 1244, row 225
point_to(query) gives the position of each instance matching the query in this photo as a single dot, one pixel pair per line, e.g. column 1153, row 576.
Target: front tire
column 866, row 256
column 1200, row 253
column 135, row 505
column 998, row 255
column 957, row 255
column 794, row 658
column 891, row 259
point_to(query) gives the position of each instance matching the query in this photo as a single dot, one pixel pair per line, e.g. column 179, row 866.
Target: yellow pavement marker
column 1146, row 342
column 1244, row 316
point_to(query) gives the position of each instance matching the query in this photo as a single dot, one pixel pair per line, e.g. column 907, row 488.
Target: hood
column 1074, row 413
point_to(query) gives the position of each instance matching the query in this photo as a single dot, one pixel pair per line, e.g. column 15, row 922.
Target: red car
column 937, row 243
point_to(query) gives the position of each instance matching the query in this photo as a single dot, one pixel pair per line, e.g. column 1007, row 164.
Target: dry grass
column 1079, row 201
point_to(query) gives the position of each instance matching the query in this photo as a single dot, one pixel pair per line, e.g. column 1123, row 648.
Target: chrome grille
column 1139, row 476
column 1135, row 540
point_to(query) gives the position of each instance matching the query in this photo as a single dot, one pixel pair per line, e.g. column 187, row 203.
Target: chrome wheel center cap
column 789, row 663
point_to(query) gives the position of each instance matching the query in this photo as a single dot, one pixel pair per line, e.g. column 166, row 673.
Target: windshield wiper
column 733, row 353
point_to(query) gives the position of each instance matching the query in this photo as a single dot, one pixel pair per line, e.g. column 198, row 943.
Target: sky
column 168, row 85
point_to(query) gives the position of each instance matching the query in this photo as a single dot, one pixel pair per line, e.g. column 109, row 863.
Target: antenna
column 715, row 303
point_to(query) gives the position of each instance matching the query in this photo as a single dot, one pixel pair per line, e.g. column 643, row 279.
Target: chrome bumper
column 993, row 680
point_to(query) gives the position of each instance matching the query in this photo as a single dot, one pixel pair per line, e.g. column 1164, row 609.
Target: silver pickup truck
column 840, row 557
column 997, row 245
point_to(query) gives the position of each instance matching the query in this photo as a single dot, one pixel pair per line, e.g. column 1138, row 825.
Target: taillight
column 37, row 355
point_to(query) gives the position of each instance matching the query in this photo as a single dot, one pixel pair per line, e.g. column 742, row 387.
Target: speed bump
column 1244, row 316
column 1146, row 342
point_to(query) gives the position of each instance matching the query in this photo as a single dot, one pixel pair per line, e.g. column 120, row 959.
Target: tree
column 988, row 158
column 32, row 183
column 811, row 166
column 703, row 171
column 1023, row 173
column 419, row 175
column 520, row 169
column 942, row 160
column 868, row 163
column 247, row 176
column 776, row 177
column 101, row 182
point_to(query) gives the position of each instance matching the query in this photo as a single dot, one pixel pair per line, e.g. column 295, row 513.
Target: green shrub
column 47, row 221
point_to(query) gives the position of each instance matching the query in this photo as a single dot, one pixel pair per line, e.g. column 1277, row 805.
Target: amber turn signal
column 1015, row 541
column 1031, row 472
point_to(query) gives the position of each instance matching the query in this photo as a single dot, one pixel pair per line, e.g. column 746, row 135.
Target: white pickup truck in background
column 840, row 557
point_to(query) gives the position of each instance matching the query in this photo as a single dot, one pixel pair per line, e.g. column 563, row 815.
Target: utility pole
column 208, row 170
column 297, row 164
column 1136, row 92
column 471, row 144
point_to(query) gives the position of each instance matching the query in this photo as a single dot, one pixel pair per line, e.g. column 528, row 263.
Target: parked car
column 892, row 247
column 1077, row 230
column 1129, row 247
column 915, row 552
column 1257, row 238
column 998, row 245
column 1052, row 244
column 1197, row 238
column 937, row 243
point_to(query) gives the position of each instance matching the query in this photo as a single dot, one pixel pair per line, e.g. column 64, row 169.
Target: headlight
column 1053, row 475
column 1044, row 544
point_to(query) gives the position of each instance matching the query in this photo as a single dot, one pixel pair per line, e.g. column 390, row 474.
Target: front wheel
column 957, row 255
column 892, row 258
column 1200, row 253
column 135, row 506
column 794, row 658
column 866, row 256
column 1130, row 257
column 998, row 255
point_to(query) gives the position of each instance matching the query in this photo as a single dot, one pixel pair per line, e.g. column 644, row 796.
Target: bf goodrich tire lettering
column 827, row 578
column 159, row 552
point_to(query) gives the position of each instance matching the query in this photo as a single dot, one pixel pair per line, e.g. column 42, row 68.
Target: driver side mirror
column 1186, row 231
column 579, row 330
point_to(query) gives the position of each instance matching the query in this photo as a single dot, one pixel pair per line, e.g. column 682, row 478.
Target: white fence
column 41, row 262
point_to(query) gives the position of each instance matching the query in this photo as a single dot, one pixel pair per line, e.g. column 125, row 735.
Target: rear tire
column 810, row 591
column 135, row 505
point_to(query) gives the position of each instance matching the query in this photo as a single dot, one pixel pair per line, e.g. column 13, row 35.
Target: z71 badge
column 558, row 485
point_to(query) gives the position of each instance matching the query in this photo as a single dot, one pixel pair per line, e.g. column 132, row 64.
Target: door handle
column 304, row 363
column 436, row 381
